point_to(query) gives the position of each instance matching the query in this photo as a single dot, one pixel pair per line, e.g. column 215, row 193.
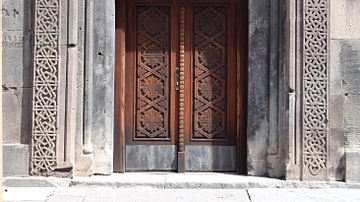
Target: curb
column 172, row 181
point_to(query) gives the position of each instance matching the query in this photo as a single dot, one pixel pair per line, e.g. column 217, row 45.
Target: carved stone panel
column 152, row 65
column 315, row 89
column 209, row 73
column 46, row 87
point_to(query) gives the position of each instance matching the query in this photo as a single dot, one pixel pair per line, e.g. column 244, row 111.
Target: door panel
column 150, row 102
column 210, row 123
column 209, row 73
column 152, row 76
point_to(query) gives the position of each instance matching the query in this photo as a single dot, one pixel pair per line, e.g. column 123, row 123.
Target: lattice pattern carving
column 152, row 82
column 182, row 82
column 315, row 86
column 45, row 98
column 210, row 71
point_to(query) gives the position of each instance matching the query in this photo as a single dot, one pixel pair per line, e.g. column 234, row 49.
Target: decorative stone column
column 54, row 76
column 308, row 97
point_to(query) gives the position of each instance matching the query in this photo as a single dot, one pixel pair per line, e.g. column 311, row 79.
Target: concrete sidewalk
column 108, row 194
column 170, row 180
column 175, row 187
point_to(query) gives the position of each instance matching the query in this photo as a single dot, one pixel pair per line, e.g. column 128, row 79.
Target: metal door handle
column 177, row 78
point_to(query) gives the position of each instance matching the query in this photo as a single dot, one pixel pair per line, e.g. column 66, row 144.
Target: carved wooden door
column 180, row 86
column 210, row 86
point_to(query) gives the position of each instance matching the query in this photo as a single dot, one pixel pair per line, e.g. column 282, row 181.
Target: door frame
column 119, row 112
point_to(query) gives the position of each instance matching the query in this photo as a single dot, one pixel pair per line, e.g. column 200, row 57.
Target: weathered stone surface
column 16, row 59
column 16, row 160
column 335, row 76
column 344, row 21
column 16, row 15
column 258, row 87
column 336, row 137
column 336, row 154
column 17, row 51
column 16, row 112
column 99, row 84
column 336, row 114
column 350, row 66
column 84, row 162
column 352, row 122
column 210, row 158
column 151, row 157
column 352, row 173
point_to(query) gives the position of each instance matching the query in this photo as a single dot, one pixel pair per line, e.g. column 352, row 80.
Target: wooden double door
column 180, row 88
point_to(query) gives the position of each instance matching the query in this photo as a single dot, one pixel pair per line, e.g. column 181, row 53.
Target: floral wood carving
column 152, row 64
column 210, row 71
column 45, row 93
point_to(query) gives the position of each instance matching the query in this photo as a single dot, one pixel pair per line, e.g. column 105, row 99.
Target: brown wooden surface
column 214, row 123
column 119, row 141
column 150, row 104
column 242, row 63
column 125, row 83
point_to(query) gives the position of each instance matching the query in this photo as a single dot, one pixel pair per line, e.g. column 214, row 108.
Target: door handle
column 177, row 78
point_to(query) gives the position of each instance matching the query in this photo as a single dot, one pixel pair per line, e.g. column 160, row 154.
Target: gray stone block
column 17, row 50
column 350, row 65
column 352, row 122
column 352, row 173
column 344, row 19
column 210, row 158
column 99, row 84
column 15, row 160
column 16, row 114
column 336, row 154
column 258, row 87
column 335, row 67
column 16, row 15
column 151, row 157
column 16, row 62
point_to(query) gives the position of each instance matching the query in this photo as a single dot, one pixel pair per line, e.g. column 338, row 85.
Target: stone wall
column 266, row 90
column 277, row 107
column 17, row 85
column 345, row 88
column 96, row 66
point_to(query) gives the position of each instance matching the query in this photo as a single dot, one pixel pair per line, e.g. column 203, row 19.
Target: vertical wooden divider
column 181, row 151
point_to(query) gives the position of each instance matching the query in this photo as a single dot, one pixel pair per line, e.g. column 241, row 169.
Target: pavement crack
column 247, row 192
column 164, row 182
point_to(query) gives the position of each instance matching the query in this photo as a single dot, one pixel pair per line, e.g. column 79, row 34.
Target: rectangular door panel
column 152, row 73
column 209, row 73
column 210, row 79
column 149, row 101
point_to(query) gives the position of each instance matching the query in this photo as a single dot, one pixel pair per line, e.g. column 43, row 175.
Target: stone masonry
column 303, row 101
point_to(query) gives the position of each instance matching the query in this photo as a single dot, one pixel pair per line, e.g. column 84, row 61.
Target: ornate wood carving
column 315, row 87
column 182, row 83
column 209, row 73
column 152, row 82
column 45, row 93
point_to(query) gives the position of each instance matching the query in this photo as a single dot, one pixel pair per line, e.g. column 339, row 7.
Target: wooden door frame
column 119, row 112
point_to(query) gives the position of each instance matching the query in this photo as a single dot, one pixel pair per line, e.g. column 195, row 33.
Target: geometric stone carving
column 153, row 50
column 210, row 72
column 45, row 81
column 315, row 88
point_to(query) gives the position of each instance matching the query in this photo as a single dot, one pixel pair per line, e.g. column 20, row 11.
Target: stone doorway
column 183, row 92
